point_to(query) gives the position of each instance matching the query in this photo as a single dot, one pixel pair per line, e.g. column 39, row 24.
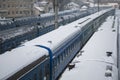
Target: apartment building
column 16, row 8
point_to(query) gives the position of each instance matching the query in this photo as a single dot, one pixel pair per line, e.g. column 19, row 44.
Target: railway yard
column 84, row 47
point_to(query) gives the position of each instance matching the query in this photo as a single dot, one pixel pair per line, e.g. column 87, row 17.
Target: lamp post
column 55, row 4
column 98, row 6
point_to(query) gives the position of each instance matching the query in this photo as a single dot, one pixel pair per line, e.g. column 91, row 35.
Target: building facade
column 16, row 8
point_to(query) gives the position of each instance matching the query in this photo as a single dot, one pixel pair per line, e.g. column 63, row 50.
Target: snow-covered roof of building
column 72, row 5
column 39, row 8
column 42, row 3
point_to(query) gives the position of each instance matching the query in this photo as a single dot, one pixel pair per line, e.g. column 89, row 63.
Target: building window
column 13, row 5
column 8, row 5
column 20, row 12
column 28, row 12
column 8, row 13
column 3, row 5
column 21, row 5
column 12, row 12
column 16, row 12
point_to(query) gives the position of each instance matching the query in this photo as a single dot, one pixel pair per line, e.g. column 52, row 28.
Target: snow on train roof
column 13, row 61
column 16, row 59
column 7, row 34
column 103, row 41
column 54, row 38
column 57, row 36
column 91, row 62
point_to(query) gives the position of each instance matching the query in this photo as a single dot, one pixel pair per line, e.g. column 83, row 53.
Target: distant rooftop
column 107, row 1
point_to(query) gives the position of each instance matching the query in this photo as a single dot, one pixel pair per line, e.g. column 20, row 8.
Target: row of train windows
column 44, row 73
column 66, row 53
column 41, row 74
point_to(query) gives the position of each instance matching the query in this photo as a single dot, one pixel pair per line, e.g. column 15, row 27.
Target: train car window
column 35, row 76
column 62, row 56
column 55, row 63
column 69, row 49
column 74, row 45
column 54, row 66
column 65, row 53
column 29, row 79
column 46, row 75
column 58, row 59
column 40, row 74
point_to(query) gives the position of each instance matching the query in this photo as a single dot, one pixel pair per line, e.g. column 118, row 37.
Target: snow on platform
column 93, row 62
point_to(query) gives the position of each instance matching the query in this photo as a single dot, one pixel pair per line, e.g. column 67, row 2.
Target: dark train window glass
column 46, row 72
column 66, row 52
column 29, row 79
column 40, row 74
column 58, row 59
column 64, row 55
column 35, row 76
column 55, row 63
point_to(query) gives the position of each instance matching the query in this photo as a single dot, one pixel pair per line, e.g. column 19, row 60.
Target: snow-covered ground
column 93, row 62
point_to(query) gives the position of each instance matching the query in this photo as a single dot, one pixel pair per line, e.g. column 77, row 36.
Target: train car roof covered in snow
column 93, row 62
column 16, row 59
column 63, row 32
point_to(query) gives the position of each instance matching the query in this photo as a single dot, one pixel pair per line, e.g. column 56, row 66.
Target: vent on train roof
column 113, row 30
column 109, row 67
column 109, row 54
column 50, row 42
column 71, row 66
column 76, row 26
column 108, row 73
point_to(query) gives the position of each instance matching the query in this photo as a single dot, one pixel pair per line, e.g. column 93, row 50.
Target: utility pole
column 55, row 4
column 98, row 6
